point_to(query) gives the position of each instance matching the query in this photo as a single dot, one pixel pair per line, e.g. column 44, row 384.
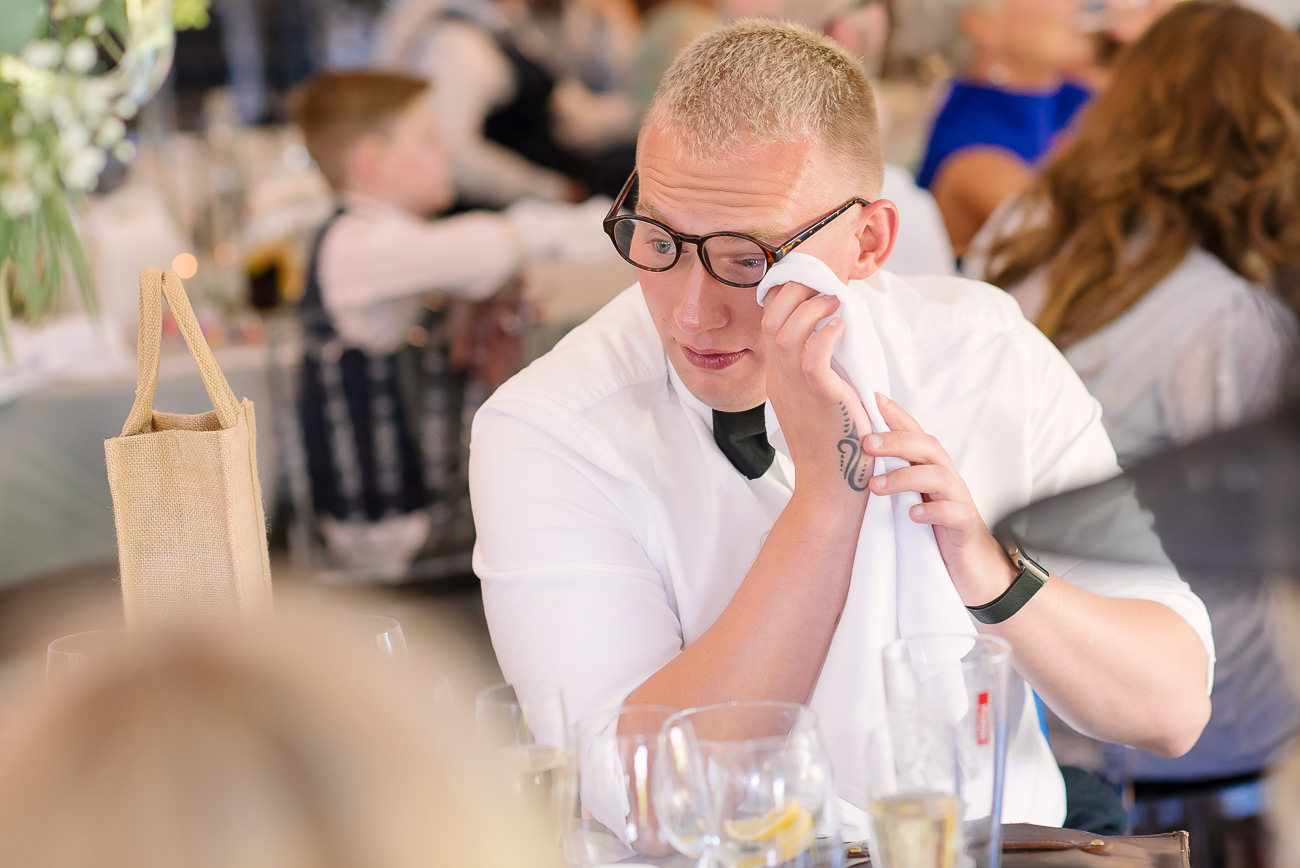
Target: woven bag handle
column 154, row 286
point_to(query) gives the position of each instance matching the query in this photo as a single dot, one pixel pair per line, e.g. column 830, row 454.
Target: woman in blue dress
column 1021, row 66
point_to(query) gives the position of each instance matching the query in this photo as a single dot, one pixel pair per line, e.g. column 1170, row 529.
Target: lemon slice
column 765, row 826
column 784, row 833
column 796, row 837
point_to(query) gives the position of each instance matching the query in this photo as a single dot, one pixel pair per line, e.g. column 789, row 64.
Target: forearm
column 971, row 184
column 467, row 256
column 771, row 640
column 1128, row 671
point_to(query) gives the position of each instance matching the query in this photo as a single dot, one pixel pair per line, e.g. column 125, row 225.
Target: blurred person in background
column 1023, row 69
column 260, row 745
column 862, row 27
column 516, row 114
column 667, row 26
column 1156, row 249
column 381, row 396
column 1009, row 99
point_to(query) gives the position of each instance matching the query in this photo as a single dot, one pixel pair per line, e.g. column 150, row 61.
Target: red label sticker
column 983, row 726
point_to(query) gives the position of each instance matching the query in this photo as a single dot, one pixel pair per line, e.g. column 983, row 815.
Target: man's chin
column 725, row 390
column 727, row 400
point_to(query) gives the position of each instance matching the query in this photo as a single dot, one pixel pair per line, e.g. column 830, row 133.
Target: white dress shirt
column 612, row 531
column 922, row 245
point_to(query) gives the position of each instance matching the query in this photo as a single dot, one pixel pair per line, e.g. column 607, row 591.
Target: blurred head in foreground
column 253, row 747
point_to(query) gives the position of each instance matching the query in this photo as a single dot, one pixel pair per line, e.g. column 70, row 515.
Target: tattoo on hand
column 850, row 449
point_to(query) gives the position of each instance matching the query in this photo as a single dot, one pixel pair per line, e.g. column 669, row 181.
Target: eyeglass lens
column 729, row 258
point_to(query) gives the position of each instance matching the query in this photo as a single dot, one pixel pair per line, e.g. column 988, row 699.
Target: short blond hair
column 759, row 82
column 335, row 110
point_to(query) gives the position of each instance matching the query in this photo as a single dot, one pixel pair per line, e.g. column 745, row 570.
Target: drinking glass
column 614, row 819
column 912, row 801
column 745, row 784
column 961, row 680
column 529, row 734
column 74, row 655
column 381, row 634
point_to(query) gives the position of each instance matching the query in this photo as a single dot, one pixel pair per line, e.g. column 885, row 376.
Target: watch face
column 1033, row 567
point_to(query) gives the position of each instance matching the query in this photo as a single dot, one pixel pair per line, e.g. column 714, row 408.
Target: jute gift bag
column 187, row 503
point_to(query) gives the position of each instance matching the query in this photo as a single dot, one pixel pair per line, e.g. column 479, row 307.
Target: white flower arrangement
column 72, row 73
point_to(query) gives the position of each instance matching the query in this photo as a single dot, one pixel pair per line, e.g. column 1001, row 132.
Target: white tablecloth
column 55, row 509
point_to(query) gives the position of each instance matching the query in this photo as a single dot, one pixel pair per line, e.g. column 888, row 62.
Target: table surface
column 55, row 507
column 1029, row 846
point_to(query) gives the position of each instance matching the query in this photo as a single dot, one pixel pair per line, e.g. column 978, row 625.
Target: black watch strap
column 1027, row 582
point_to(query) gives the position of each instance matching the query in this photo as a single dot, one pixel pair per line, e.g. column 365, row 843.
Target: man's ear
column 877, row 228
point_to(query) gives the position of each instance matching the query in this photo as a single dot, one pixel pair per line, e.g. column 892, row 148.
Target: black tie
column 742, row 437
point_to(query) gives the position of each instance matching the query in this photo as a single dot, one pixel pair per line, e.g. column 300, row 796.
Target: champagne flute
column 962, row 680
column 529, row 733
column 912, row 799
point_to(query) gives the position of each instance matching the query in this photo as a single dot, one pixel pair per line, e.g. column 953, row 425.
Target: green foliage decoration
column 68, row 87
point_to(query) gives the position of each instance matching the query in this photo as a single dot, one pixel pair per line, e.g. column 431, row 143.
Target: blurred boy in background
column 382, row 393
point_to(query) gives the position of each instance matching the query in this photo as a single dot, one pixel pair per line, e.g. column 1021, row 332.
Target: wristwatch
column 1027, row 582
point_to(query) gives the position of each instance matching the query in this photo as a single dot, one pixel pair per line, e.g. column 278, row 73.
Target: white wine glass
column 528, row 731
column 768, row 796
column 963, row 680
column 912, row 783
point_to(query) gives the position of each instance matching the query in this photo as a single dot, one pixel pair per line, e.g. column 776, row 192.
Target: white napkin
column 900, row 586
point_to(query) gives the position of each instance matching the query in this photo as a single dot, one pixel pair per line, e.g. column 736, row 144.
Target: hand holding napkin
column 900, row 585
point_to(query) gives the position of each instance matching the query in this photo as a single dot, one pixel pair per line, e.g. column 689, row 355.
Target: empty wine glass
column 74, row 655
column 768, row 797
column 381, row 634
column 614, row 818
column 529, row 733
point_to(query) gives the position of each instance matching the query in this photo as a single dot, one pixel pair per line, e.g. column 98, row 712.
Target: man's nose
column 702, row 304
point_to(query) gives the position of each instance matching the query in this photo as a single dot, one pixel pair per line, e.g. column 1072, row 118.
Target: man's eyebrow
column 772, row 236
column 650, row 211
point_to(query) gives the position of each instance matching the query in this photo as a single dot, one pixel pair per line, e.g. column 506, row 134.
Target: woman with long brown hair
column 1155, row 250
column 1156, row 244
